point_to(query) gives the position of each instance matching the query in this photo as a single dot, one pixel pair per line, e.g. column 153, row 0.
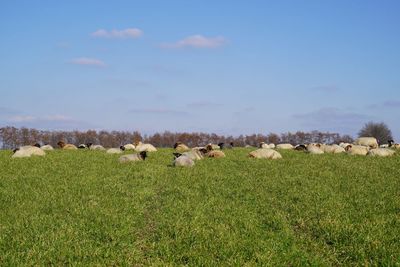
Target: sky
column 229, row 67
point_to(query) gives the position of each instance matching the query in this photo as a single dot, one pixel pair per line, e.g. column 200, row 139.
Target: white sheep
column 183, row 161
column 367, row 141
column 381, row 152
column 115, row 150
column 133, row 157
column 27, row 151
column 47, row 147
column 265, row 145
column 265, row 153
column 180, row 147
column 193, row 154
column 284, row 146
column 145, row 147
column 129, row 147
column 335, row 149
column 95, row 147
column 65, row 146
column 314, row 149
column 357, row 150
column 344, row 145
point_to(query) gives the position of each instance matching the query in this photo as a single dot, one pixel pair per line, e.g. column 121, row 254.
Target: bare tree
column 378, row 130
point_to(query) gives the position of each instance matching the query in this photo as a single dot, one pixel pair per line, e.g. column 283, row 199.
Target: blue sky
column 230, row 67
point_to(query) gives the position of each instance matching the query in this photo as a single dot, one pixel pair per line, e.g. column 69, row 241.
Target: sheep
column 344, row 145
column 265, row 153
column 95, row 147
column 284, row 146
column 335, row 149
column 211, row 153
column 82, row 146
column 180, row 147
column 224, row 146
column 144, row 147
column 394, row 145
column 27, row 151
column 133, row 157
column 214, row 146
column 367, row 141
column 314, row 149
column 357, row 150
column 182, row 161
column 300, row 148
column 265, row 145
column 47, row 147
column 115, row 150
column 193, row 154
column 129, row 147
column 381, row 152
column 65, row 146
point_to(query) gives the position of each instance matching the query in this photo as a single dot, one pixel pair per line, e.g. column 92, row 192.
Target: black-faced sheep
column 133, row 157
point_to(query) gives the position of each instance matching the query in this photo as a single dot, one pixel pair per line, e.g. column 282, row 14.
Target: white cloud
column 22, row 118
column 197, row 41
column 88, row 62
column 118, row 34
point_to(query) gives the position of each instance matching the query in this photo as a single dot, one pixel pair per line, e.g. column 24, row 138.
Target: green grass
column 84, row 208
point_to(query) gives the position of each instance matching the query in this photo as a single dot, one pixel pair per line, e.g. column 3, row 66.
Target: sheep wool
column 183, row 161
column 133, row 157
column 215, row 154
column 284, row 146
column 367, row 141
column 28, row 151
column 114, row 151
column 265, row 153
column 47, row 147
column 357, row 150
column 129, row 147
column 381, row 152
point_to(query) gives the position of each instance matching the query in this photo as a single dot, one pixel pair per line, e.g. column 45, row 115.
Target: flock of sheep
column 185, row 156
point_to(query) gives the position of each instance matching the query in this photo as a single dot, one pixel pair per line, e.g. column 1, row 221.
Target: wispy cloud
column 88, row 62
column 130, row 33
column 159, row 111
column 390, row 104
column 203, row 104
column 332, row 119
column 197, row 41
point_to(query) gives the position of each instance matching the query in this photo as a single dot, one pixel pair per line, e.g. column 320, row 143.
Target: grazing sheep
column 115, row 150
column 367, row 141
column 182, row 161
column 95, row 147
column 381, row 152
column 284, row 146
column 47, row 147
column 27, row 151
column 224, row 146
column 180, row 147
column 129, row 147
column 65, row 146
column 133, row 157
column 265, row 153
column 334, row 149
column 357, row 150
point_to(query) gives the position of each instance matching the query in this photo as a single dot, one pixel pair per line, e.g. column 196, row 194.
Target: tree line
column 11, row 137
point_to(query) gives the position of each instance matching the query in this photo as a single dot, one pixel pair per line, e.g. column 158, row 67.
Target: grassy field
column 84, row 208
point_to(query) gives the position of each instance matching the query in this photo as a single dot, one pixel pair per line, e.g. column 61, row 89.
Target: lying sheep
column 65, row 146
column 265, row 153
column 182, row 161
column 357, row 150
column 300, row 148
column 265, row 145
column 367, row 141
column 394, row 145
column 211, row 153
column 193, row 154
column 27, row 151
column 144, row 147
column 180, row 147
column 314, row 148
column 225, row 146
column 129, row 147
column 95, row 147
column 344, row 145
column 82, row 146
column 284, row 146
column 47, row 147
column 213, row 146
column 133, row 157
column 381, row 152
column 334, row 149
column 115, row 150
